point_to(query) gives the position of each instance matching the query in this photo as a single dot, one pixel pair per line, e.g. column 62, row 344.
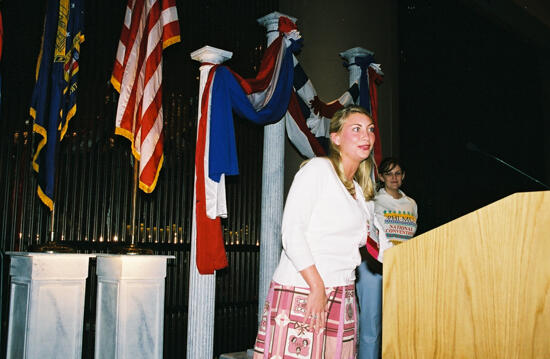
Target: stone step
column 238, row 355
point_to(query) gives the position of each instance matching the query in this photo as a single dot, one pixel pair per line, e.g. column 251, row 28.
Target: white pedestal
column 130, row 306
column 46, row 305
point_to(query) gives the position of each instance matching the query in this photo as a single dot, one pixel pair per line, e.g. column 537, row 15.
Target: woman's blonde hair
column 365, row 171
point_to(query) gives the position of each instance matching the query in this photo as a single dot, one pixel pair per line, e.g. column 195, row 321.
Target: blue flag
column 54, row 97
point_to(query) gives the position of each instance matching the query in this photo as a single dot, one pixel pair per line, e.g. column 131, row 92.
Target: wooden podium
column 477, row 287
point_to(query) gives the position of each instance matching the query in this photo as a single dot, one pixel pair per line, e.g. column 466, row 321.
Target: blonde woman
column 310, row 310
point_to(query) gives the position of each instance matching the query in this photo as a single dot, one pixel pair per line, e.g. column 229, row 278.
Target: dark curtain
column 94, row 173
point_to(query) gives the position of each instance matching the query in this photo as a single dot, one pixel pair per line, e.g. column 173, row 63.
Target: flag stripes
column 149, row 27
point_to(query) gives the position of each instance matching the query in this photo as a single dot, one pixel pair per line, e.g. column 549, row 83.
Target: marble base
column 130, row 306
column 46, row 305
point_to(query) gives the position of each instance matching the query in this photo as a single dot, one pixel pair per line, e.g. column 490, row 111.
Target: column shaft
column 272, row 186
column 202, row 288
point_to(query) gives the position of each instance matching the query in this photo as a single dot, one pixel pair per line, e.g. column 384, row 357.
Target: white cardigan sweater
column 322, row 225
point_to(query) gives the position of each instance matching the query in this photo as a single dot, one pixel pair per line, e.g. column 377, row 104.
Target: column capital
column 211, row 54
column 354, row 52
column 271, row 20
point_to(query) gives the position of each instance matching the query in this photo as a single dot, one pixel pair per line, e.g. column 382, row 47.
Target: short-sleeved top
column 397, row 216
column 322, row 225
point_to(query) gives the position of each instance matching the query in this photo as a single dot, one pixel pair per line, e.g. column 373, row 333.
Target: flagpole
column 134, row 200
column 130, row 78
column 132, row 248
column 51, row 245
column 52, row 224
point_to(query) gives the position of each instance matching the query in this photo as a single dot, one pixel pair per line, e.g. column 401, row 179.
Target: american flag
column 149, row 27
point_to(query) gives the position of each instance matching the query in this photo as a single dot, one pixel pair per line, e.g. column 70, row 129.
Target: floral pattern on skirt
column 282, row 333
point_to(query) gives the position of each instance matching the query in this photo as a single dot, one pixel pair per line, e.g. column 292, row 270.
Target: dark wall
column 95, row 169
column 467, row 78
column 331, row 27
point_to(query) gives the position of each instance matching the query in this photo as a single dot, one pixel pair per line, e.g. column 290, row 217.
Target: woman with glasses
column 397, row 211
column 397, row 214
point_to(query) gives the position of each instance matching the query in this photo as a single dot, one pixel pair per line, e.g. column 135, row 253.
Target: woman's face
column 393, row 179
column 355, row 139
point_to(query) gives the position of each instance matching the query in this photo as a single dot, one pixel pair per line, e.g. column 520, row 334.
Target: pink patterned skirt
column 282, row 333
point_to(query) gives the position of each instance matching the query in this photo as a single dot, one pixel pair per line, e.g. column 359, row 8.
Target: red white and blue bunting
column 281, row 89
column 317, row 114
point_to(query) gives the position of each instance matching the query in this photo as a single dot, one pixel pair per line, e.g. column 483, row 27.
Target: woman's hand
column 316, row 307
column 316, row 314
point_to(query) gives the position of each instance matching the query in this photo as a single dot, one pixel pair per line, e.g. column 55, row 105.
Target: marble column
column 354, row 70
column 46, row 305
column 202, row 288
column 130, row 306
column 272, row 185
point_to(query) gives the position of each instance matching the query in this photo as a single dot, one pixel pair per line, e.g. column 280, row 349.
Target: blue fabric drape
column 364, row 91
column 228, row 96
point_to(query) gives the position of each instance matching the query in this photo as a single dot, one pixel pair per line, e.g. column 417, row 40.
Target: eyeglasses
column 392, row 174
